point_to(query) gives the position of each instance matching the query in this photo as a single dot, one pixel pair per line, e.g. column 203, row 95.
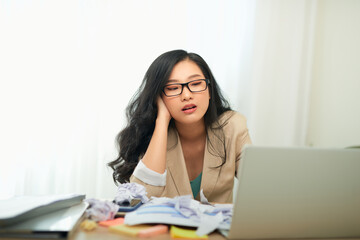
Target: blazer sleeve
column 153, row 182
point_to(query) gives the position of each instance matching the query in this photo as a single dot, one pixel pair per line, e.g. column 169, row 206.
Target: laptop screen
column 297, row 193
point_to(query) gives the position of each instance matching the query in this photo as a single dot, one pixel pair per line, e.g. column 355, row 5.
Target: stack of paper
column 182, row 211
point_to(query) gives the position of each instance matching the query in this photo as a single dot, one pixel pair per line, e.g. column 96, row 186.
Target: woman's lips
column 190, row 108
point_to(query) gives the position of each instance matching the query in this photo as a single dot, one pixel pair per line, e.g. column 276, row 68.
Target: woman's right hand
column 163, row 112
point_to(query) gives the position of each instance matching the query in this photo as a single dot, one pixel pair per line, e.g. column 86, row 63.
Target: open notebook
column 297, row 193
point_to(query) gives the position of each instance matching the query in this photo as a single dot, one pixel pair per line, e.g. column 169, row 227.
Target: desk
column 103, row 234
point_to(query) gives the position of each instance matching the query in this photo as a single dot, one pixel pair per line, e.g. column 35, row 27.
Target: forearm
column 155, row 155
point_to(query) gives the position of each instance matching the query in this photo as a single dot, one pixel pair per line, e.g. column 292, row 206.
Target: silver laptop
column 297, row 193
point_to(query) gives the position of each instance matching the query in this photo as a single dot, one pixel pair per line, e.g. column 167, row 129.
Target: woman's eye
column 172, row 88
column 195, row 83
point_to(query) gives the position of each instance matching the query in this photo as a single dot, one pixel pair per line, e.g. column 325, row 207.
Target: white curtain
column 69, row 68
column 281, row 71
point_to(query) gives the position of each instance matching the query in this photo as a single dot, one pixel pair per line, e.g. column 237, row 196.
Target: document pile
column 52, row 216
column 183, row 211
column 100, row 210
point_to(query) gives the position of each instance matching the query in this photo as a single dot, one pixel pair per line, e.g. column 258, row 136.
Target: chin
column 189, row 119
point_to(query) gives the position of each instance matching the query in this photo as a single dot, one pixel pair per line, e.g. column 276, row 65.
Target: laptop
column 297, row 193
column 61, row 223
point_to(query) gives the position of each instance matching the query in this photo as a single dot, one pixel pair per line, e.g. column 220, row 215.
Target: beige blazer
column 217, row 182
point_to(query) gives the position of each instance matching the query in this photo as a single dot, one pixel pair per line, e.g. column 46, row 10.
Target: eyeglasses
column 176, row 89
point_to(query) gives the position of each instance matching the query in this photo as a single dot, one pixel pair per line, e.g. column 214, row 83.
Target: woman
column 181, row 136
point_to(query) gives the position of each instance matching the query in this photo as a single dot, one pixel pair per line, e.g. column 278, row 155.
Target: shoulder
column 232, row 120
column 232, row 124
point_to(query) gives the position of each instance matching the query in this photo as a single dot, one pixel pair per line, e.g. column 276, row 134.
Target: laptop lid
column 297, row 193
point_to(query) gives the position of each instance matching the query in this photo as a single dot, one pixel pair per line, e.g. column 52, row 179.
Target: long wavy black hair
column 141, row 112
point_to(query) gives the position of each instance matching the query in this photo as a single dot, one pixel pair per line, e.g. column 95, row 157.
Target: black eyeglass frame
column 207, row 81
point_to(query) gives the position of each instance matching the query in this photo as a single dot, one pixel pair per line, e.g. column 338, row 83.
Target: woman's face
column 188, row 107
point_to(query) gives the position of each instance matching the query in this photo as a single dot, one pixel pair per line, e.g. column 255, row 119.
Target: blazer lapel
column 211, row 171
column 176, row 164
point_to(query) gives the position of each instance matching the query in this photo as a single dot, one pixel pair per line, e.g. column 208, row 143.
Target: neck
column 191, row 132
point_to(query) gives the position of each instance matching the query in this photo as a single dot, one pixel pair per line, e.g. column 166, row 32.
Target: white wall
column 335, row 99
column 68, row 69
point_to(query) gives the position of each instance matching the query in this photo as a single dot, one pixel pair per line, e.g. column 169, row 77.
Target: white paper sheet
column 183, row 211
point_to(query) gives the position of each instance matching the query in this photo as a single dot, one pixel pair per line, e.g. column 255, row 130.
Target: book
column 18, row 209
column 56, row 224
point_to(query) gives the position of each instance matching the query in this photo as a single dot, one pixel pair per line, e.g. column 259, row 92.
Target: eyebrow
column 191, row 76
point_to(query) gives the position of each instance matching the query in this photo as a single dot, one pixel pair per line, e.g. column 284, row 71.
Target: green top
column 195, row 185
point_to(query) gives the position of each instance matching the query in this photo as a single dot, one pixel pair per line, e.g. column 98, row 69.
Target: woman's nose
column 186, row 94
